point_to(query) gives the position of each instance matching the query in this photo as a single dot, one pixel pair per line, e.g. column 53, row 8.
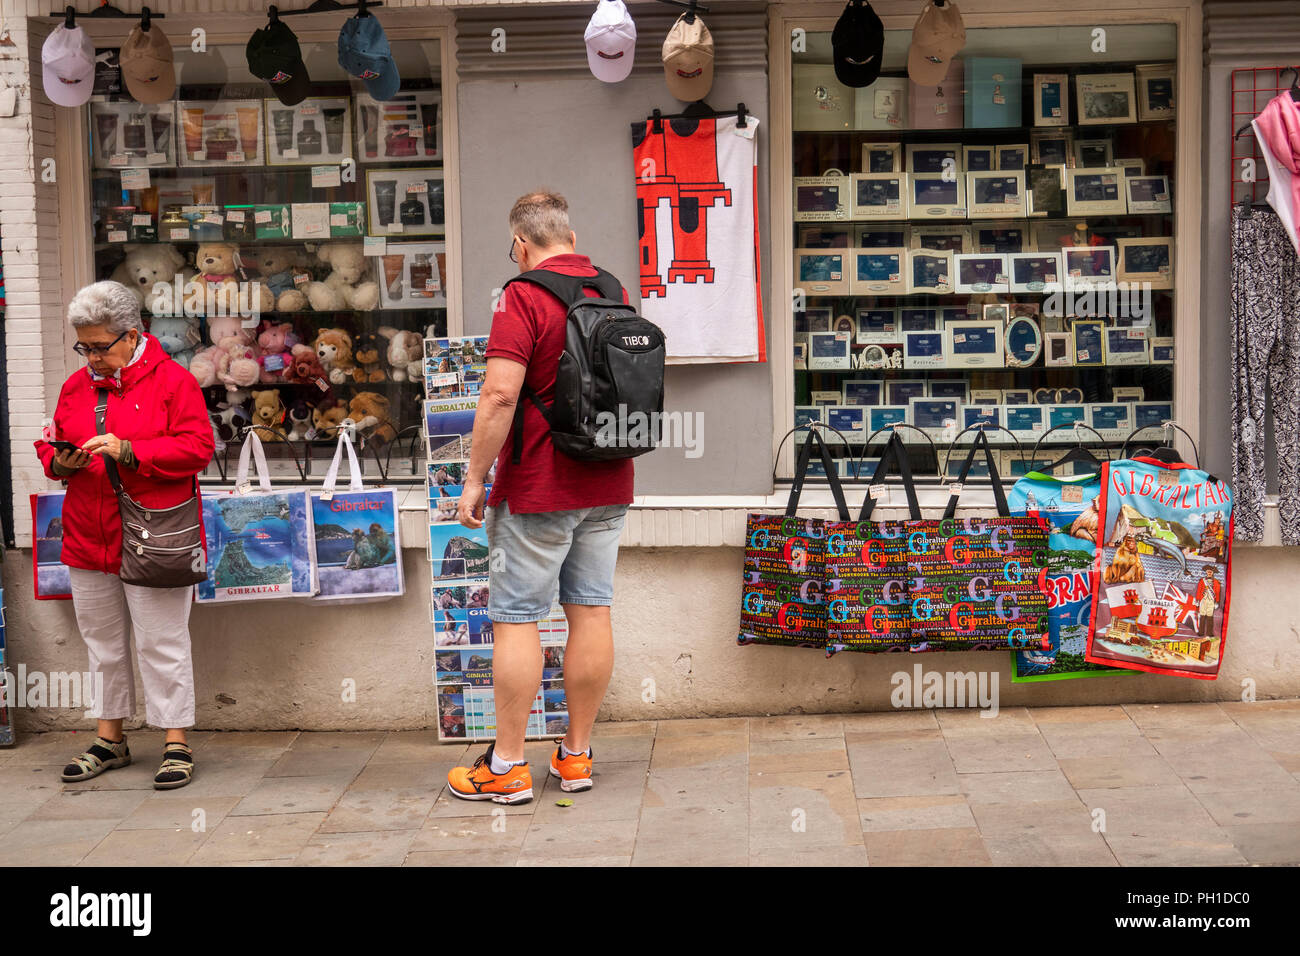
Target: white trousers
column 107, row 612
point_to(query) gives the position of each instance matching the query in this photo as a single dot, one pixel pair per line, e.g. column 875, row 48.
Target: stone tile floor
column 1131, row 785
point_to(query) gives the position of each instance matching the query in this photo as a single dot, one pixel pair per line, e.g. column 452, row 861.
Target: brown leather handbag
column 161, row 547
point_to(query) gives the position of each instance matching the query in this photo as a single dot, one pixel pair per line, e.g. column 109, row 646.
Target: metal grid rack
column 1251, row 91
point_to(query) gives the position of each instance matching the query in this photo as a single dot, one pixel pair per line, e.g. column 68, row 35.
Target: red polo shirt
column 529, row 328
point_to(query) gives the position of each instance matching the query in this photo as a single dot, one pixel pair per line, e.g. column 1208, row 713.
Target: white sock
column 566, row 752
column 503, row 766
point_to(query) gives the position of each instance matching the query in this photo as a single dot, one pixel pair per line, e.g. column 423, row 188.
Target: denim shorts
column 530, row 554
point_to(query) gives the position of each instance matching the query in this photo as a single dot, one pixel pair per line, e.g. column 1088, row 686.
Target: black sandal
column 177, row 767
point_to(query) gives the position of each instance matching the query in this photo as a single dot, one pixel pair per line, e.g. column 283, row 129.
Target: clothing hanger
column 1076, row 454
column 106, row 11
column 691, row 7
column 329, row 6
column 698, row 110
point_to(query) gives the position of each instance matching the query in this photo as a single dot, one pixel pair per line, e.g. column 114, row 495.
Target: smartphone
column 62, row 445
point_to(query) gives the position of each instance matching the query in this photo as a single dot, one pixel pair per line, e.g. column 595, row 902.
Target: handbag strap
column 110, row 466
column 896, row 451
column 354, row 467
column 801, row 472
column 252, row 445
column 981, row 441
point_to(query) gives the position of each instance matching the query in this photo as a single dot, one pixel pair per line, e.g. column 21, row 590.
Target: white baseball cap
column 611, row 41
column 68, row 66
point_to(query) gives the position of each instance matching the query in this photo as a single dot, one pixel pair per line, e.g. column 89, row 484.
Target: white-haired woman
column 157, row 433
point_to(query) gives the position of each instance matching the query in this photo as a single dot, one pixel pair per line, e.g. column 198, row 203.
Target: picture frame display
column 1105, row 98
column 1088, row 267
column 1052, row 148
column 828, row 350
column 1024, row 343
column 1151, row 414
column 999, row 237
column 1155, row 87
column 1025, row 419
column 1088, row 341
column 406, row 201
column 979, row 158
column 878, row 326
column 934, row 416
column 822, row 271
column 882, row 157
column 1034, row 271
column 935, row 196
column 954, row 238
column 975, row 344
column 883, row 236
column 1051, row 99
column 1012, row 157
column 995, row 195
column 929, row 158
column 1058, row 349
column 878, row 195
column 879, row 272
column 1065, row 414
column 1045, row 189
column 1162, row 350
column 1126, row 346
column 407, row 128
column 1112, row 420
column 1149, row 260
column 924, row 350
column 220, row 133
column 821, row 198
column 900, row 391
column 918, row 319
column 1093, row 153
column 1095, row 192
column 127, row 134
column 883, row 416
column 929, row 271
column 980, row 272
column 1146, row 194
column 862, row 391
column 1017, row 396
column 318, row 131
column 955, row 388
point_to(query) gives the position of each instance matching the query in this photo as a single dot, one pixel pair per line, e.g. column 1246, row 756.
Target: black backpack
column 609, row 388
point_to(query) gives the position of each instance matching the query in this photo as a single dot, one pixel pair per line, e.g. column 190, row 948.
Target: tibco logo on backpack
column 633, row 340
column 630, row 428
column 78, row 909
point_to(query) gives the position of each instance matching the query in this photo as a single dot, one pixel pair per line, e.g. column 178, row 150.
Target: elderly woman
column 157, row 433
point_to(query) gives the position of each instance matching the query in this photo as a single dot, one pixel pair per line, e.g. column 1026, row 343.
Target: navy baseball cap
column 364, row 52
column 274, row 56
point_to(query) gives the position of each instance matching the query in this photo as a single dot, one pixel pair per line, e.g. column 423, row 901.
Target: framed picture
column 1025, row 419
column 1106, row 98
column 132, row 134
column 988, row 415
column 828, row 350
column 1095, row 192
column 918, row 319
column 878, row 195
column 821, row 198
column 862, row 391
column 844, row 323
column 981, row 159
column 981, row 272
column 1131, row 167
column 1147, row 260
column 882, row 157
column 1112, row 420
column 929, row 157
column 974, row 344
column 954, row 238
column 315, row 132
column 1051, row 99
column 1092, row 153
column 901, row 391
column 1004, row 237
column 1088, row 267
column 1127, row 393
column 1162, row 350
column 923, row 350
column 986, row 396
column 1017, row 396
column 879, row 272
column 849, row 420
column 879, row 326
column 959, row 313
column 1126, row 347
column 1147, row 194
column 882, row 416
column 407, row 128
column 819, row 319
column 995, row 195
column 1087, row 341
column 933, row 415
column 801, row 351
column 1024, row 343
column 1151, row 414
column 1051, row 235
column 1155, row 87
column 804, row 414
column 956, row 388
column 1057, row 349
column 407, row 201
column 220, row 133
column 1066, row 415
column 1045, row 189
column 996, row 312
column 1012, row 156
column 929, row 271
column 819, row 100
column 1053, row 149
column 1034, row 271
column 818, row 236
column 414, row 275
column 932, row 196
column 894, row 235
column 824, row 397
column 875, row 357
column 822, row 271
column 882, row 105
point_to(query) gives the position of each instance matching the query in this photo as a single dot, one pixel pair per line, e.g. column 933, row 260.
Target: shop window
column 998, row 248
column 237, row 217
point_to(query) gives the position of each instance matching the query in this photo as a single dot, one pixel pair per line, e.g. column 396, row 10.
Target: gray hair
column 541, row 218
column 106, row 303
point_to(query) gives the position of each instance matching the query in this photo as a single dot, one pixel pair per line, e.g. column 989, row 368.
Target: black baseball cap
column 273, row 55
column 858, row 43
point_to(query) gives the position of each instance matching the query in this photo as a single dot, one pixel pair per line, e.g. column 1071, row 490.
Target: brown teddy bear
column 326, row 419
column 218, row 265
column 369, row 412
column 280, row 266
column 367, row 349
column 334, row 349
column 268, row 415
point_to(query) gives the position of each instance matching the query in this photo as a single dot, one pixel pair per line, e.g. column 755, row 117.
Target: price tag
column 156, row 159
column 235, row 215
column 339, row 219
column 117, row 160
column 1137, row 333
column 1162, row 197
column 999, row 99
column 374, row 245
column 323, row 385
column 1084, row 355
column 432, row 285
column 954, row 488
column 940, row 109
column 273, row 363
column 876, row 491
column 178, row 234
column 893, row 277
column 200, row 157
column 417, row 189
column 999, row 278
column 326, row 495
column 943, row 280
column 262, row 215
column 1072, row 493
column 958, row 338
column 142, row 219
column 135, row 178
column 243, row 487
column 301, row 278
column 1036, row 427
column 235, row 157
column 988, row 412
column 323, row 177
column 215, row 218
column 289, row 154
column 397, row 227
column 307, row 111
column 1166, row 478
column 117, row 235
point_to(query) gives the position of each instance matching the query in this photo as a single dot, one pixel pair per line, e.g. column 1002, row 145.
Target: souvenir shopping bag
column 784, row 562
column 868, row 607
column 50, row 578
column 259, row 542
column 355, row 534
column 1163, row 561
column 975, row 583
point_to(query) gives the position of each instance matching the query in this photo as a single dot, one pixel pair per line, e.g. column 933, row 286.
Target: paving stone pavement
column 1132, row 785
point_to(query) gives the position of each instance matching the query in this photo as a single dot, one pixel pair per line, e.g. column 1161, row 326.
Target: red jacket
column 159, row 409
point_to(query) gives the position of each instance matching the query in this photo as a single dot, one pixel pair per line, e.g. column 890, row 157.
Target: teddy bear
column 298, row 419
column 228, row 422
column 178, row 335
column 367, row 350
column 280, row 265
column 326, row 419
column 334, row 349
column 348, row 285
column 275, row 342
column 268, row 413
column 147, row 265
column 218, row 263
column 304, row 367
column 231, row 362
column 369, row 413
column 405, row 353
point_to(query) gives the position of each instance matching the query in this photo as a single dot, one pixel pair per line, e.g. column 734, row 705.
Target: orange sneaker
column 480, row 783
column 573, row 771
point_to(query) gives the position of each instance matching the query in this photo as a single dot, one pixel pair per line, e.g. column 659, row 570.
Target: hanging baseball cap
column 938, row 36
column 147, row 66
column 274, row 56
column 68, row 66
column 364, row 52
column 858, row 44
column 688, row 60
column 611, row 41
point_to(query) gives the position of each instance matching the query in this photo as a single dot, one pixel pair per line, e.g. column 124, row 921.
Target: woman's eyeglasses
column 85, row 351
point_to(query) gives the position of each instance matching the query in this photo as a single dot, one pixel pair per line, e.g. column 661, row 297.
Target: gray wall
column 523, row 128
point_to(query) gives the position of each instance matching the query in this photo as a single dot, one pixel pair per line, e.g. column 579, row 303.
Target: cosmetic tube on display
column 162, row 131
column 429, row 116
column 282, row 121
column 193, row 120
column 385, row 196
column 394, row 265
column 333, row 130
column 248, row 130
column 370, row 129
column 434, row 198
column 106, row 124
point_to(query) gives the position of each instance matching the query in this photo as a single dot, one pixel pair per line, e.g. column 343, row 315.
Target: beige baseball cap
column 688, row 60
column 148, row 69
column 938, row 36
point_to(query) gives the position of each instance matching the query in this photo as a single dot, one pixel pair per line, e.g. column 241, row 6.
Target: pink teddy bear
column 275, row 342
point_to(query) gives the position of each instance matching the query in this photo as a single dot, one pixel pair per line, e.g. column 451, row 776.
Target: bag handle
column 252, row 445
column 1167, row 426
column 801, row 472
column 981, row 441
column 896, row 451
column 354, row 467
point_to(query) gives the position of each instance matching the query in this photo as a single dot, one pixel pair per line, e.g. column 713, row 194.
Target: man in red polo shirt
column 551, row 521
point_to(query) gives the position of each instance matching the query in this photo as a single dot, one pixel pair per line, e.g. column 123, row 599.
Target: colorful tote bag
column 1164, row 567
column 356, row 536
column 51, row 580
column 259, row 542
column 976, row 580
column 782, row 600
column 868, row 602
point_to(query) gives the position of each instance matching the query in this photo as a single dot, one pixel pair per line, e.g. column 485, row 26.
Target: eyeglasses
column 513, row 240
column 85, row 351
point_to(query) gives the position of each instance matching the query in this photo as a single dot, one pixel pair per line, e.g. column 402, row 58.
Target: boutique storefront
column 894, row 245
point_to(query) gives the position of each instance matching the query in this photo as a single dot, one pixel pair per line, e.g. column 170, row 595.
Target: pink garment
column 1278, row 125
